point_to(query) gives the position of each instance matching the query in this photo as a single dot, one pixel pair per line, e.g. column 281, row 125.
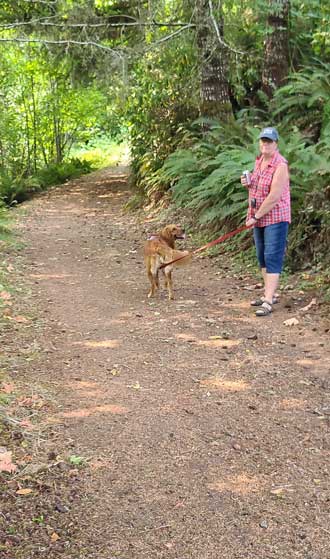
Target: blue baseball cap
column 270, row 133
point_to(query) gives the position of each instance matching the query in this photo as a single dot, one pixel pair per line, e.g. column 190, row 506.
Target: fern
column 302, row 100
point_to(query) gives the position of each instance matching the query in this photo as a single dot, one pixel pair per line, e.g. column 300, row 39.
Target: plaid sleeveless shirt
column 259, row 189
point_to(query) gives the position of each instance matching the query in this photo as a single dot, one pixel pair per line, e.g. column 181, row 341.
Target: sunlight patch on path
column 240, row 484
column 103, row 344
column 225, row 385
column 186, row 337
column 83, row 384
column 315, row 362
column 87, row 389
column 87, row 412
column 222, row 343
column 237, row 305
column 293, row 404
column 218, row 343
column 49, row 276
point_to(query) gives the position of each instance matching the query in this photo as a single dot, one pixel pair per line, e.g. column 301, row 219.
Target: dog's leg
column 165, row 279
column 154, row 280
column 152, row 284
column 169, row 283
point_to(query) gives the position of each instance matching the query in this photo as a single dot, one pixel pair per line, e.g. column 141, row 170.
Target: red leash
column 210, row 244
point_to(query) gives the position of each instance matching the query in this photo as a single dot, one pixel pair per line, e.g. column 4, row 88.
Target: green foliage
column 102, row 151
column 17, row 189
column 77, row 460
column 57, row 174
column 3, row 218
column 159, row 106
column 305, row 101
column 61, row 101
column 42, row 112
column 206, row 178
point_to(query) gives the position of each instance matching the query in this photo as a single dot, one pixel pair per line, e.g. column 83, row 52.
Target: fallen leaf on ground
column 6, row 312
column 309, row 306
column 5, row 295
column 6, row 464
column 31, row 401
column 25, row 491
column 26, row 423
column 20, row 319
column 7, row 387
column 54, row 537
column 278, row 491
column 291, row 322
column 136, row 386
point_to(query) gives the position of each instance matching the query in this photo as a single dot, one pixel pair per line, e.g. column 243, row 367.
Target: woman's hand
column 244, row 181
column 251, row 222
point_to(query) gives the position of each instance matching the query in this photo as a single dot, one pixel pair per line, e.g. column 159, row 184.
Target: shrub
column 58, row 173
column 206, row 179
column 17, row 189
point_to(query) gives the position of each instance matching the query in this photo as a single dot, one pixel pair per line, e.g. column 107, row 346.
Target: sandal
column 265, row 309
column 259, row 302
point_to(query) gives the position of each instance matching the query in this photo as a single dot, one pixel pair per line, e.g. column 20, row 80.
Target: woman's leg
column 258, row 235
column 274, row 250
column 271, row 284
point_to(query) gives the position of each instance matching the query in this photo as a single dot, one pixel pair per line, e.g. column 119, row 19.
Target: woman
column 269, row 213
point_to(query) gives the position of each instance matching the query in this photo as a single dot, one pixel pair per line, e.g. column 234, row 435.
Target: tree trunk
column 27, row 133
column 276, row 58
column 58, row 156
column 214, row 89
column 34, row 124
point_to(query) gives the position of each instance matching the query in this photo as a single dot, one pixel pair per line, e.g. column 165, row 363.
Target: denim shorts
column 270, row 242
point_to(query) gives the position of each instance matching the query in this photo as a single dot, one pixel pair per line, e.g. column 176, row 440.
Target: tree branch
column 218, row 34
column 49, row 2
column 64, row 42
column 174, row 34
column 20, row 23
column 91, row 25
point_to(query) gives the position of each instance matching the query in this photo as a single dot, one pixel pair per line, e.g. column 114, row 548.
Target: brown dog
column 160, row 248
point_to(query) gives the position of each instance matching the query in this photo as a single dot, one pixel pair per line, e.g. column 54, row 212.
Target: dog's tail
column 178, row 258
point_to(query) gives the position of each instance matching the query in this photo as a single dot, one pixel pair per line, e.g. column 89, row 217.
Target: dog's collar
column 153, row 237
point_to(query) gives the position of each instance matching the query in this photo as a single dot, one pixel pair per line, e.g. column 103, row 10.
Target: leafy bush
column 206, row 179
column 305, row 101
column 103, row 151
column 59, row 173
column 161, row 103
column 18, row 189
column 3, row 218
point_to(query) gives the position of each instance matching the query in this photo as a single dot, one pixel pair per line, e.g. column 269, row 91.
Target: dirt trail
column 206, row 429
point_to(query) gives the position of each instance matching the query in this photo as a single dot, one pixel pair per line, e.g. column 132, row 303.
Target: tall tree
column 276, row 56
column 214, row 89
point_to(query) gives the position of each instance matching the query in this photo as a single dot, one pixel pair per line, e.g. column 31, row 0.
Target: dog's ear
column 168, row 231
column 175, row 229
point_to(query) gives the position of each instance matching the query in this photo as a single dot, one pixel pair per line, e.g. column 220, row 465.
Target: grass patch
column 103, row 153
